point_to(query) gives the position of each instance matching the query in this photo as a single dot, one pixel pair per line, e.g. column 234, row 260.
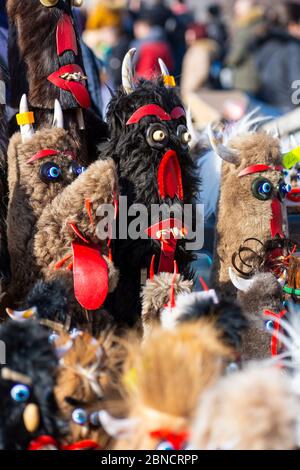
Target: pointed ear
column 226, row 153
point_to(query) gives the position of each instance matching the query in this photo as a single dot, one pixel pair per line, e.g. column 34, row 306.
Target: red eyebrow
column 258, row 168
column 155, row 110
column 49, row 153
column 42, row 154
column 148, row 110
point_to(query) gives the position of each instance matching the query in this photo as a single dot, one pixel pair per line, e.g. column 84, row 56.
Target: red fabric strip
column 42, row 154
column 65, row 36
column 148, row 110
column 178, row 112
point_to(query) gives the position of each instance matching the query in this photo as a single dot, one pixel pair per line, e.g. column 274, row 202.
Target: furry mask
column 88, row 377
column 27, row 380
column 252, row 409
column 252, row 191
column 163, row 379
column 52, row 215
column 149, row 144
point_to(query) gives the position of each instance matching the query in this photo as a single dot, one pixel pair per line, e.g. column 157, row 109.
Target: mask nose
column 31, row 417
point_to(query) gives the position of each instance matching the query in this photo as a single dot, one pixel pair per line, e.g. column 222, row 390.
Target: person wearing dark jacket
column 277, row 60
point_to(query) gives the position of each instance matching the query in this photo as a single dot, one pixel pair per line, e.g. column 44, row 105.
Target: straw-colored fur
column 165, row 376
column 249, row 410
column 240, row 214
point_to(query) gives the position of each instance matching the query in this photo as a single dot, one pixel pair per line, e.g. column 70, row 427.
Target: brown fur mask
column 241, row 215
column 88, row 377
column 40, row 210
column 164, row 377
column 248, row 410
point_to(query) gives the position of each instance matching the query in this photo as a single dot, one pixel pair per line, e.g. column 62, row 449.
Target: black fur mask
column 28, row 352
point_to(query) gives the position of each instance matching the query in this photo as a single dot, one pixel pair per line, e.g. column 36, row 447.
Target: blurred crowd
column 255, row 48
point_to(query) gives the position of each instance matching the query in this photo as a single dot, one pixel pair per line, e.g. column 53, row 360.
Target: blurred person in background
column 184, row 17
column 278, row 57
column 249, row 25
column 3, row 33
column 197, row 62
column 217, row 29
column 151, row 42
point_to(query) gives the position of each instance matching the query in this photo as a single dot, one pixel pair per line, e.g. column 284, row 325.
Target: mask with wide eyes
column 77, row 169
column 79, row 416
column 20, row 393
column 50, row 172
column 184, row 136
column 157, row 136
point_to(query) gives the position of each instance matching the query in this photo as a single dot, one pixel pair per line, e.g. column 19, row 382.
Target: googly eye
column 20, row 393
column 157, row 136
column 50, row 172
column 262, row 189
column 184, row 136
column 77, row 3
column 286, row 173
column 284, row 189
column 269, row 325
column 79, row 416
column 77, row 169
column 165, row 445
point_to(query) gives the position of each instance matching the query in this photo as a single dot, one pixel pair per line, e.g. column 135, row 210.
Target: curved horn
column 227, row 154
column 116, row 427
column 27, row 130
column 21, row 315
column 58, row 118
column 240, row 283
column 128, row 72
column 163, row 68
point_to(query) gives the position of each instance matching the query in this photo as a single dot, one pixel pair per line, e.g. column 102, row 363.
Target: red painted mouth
column 294, row 195
column 169, row 176
column 78, row 89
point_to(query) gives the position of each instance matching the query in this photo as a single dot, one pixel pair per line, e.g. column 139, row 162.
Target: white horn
column 117, row 427
column 27, row 130
column 225, row 153
column 128, row 72
column 58, row 118
column 240, row 283
column 21, row 315
column 163, row 68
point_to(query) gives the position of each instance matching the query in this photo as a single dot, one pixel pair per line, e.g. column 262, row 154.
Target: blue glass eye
column 284, row 189
column 79, row 416
column 269, row 325
column 265, row 188
column 285, row 172
column 20, row 393
column 77, row 169
column 165, row 445
column 50, row 172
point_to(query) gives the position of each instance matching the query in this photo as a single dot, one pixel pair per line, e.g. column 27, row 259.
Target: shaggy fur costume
column 240, row 214
column 265, row 294
column 4, row 258
column 156, row 295
column 137, row 166
column 88, row 376
column 249, row 410
column 29, row 353
column 33, row 55
column 164, row 378
column 39, row 212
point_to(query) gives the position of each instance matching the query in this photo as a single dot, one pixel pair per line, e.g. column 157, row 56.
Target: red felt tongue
column 90, row 273
column 276, row 222
column 78, row 90
column 169, row 176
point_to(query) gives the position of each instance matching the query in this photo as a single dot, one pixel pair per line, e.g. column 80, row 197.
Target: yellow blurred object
column 103, row 15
